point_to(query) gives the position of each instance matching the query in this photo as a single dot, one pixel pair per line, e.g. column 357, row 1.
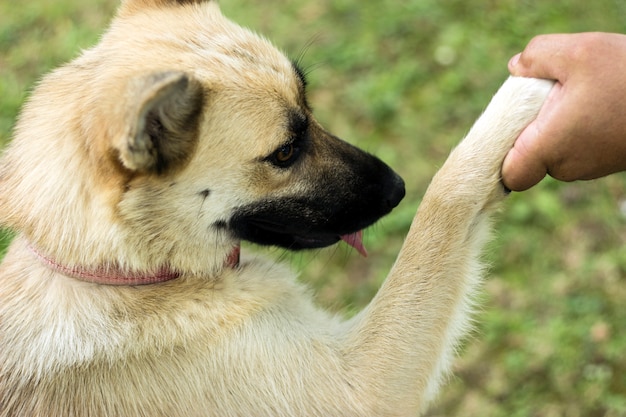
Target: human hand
column 580, row 132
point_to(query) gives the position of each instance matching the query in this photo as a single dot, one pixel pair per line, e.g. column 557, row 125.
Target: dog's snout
column 396, row 191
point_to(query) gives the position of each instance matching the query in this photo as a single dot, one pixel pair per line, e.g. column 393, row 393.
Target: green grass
column 405, row 80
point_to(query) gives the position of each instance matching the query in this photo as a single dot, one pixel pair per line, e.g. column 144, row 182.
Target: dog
column 135, row 172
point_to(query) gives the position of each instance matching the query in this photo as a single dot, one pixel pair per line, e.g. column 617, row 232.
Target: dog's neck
column 113, row 275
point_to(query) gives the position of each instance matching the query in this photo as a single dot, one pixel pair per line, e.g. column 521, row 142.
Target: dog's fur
column 175, row 137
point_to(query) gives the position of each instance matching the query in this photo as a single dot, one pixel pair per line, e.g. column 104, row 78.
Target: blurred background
column 405, row 80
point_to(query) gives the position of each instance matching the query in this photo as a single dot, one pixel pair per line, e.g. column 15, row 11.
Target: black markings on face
column 303, row 82
column 220, row 224
column 300, row 73
column 347, row 191
column 297, row 143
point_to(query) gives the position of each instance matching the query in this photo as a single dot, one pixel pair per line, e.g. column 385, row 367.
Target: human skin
column 580, row 132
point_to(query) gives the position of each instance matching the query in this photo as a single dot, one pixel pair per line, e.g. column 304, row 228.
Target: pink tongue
column 356, row 241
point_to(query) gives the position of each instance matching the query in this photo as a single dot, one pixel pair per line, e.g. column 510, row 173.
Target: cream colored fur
column 217, row 341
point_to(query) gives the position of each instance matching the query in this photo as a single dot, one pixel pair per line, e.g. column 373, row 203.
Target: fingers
column 527, row 163
column 580, row 132
column 543, row 57
column 529, row 160
column 521, row 168
column 514, row 69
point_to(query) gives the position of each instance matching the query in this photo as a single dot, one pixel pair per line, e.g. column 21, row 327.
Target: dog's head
column 176, row 136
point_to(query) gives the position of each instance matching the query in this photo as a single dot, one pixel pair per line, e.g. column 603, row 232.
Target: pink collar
column 113, row 275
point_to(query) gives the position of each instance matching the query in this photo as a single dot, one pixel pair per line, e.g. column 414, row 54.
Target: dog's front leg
column 402, row 343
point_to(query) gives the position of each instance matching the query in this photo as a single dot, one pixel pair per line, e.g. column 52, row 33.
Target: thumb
column 513, row 66
column 541, row 58
column 522, row 168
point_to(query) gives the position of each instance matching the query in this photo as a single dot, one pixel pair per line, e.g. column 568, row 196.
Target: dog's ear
column 162, row 122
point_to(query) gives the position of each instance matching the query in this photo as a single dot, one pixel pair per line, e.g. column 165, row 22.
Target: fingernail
column 513, row 61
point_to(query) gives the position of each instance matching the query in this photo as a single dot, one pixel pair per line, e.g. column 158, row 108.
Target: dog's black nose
column 395, row 191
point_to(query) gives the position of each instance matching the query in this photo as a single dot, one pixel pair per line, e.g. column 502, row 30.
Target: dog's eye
column 285, row 155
